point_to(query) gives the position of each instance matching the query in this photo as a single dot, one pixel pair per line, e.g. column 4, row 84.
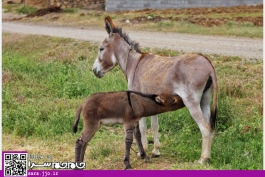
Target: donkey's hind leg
column 208, row 132
column 205, row 128
column 137, row 135
column 206, row 104
column 82, row 141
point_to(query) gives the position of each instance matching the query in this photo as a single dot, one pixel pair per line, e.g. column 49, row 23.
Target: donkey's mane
column 134, row 45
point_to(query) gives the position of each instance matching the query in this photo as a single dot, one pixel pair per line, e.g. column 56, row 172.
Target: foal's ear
column 159, row 99
column 109, row 25
column 175, row 98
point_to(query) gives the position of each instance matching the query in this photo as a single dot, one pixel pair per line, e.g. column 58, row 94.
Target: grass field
column 46, row 78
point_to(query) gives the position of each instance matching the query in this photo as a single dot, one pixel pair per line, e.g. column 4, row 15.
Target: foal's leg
column 137, row 135
column 128, row 144
column 143, row 127
column 82, row 141
column 80, row 147
column 155, row 127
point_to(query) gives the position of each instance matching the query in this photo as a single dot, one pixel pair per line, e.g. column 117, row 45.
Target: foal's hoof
column 128, row 168
column 203, row 161
column 147, row 159
column 77, row 168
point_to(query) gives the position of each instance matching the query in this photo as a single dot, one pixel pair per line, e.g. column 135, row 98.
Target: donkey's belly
column 156, row 88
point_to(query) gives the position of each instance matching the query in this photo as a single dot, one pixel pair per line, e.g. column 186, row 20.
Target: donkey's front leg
column 128, row 144
column 143, row 128
column 137, row 135
column 155, row 127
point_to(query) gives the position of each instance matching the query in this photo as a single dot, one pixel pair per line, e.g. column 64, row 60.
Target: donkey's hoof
column 203, row 161
column 155, row 155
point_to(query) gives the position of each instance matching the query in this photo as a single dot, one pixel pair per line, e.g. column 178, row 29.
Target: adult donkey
column 191, row 76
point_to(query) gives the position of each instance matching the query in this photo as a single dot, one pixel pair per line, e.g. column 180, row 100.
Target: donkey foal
column 125, row 107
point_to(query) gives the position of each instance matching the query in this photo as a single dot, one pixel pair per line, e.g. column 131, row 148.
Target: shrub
column 26, row 10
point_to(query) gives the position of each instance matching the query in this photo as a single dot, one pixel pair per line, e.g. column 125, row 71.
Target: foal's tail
column 215, row 101
column 77, row 117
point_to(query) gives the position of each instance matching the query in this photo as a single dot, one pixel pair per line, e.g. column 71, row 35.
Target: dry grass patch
column 6, row 77
column 49, row 49
column 244, row 21
column 241, row 80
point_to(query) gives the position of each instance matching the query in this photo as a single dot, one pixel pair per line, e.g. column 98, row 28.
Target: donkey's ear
column 109, row 25
column 159, row 99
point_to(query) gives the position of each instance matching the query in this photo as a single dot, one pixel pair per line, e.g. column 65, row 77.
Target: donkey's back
column 156, row 74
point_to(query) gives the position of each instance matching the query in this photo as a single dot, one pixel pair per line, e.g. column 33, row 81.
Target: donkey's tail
column 215, row 101
column 77, row 117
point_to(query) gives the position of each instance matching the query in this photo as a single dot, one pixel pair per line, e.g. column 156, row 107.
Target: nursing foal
column 125, row 107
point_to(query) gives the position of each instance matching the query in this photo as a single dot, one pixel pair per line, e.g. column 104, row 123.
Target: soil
column 45, row 11
column 38, row 13
column 198, row 15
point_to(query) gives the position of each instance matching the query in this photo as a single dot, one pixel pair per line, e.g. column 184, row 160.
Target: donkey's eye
column 101, row 49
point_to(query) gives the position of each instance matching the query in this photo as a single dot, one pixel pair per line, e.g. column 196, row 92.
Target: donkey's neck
column 132, row 62
column 127, row 60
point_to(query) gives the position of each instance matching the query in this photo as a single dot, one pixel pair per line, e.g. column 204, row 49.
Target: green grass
column 70, row 10
column 26, row 10
column 11, row 7
column 44, row 82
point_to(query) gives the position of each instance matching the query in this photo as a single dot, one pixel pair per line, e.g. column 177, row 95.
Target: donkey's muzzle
column 98, row 74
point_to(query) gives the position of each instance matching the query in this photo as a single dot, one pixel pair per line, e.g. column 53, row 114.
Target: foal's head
column 112, row 48
column 169, row 102
column 167, row 99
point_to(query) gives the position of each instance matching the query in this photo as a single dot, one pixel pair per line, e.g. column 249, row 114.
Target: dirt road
column 245, row 48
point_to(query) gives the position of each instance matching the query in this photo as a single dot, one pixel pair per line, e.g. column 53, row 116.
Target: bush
column 26, row 10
